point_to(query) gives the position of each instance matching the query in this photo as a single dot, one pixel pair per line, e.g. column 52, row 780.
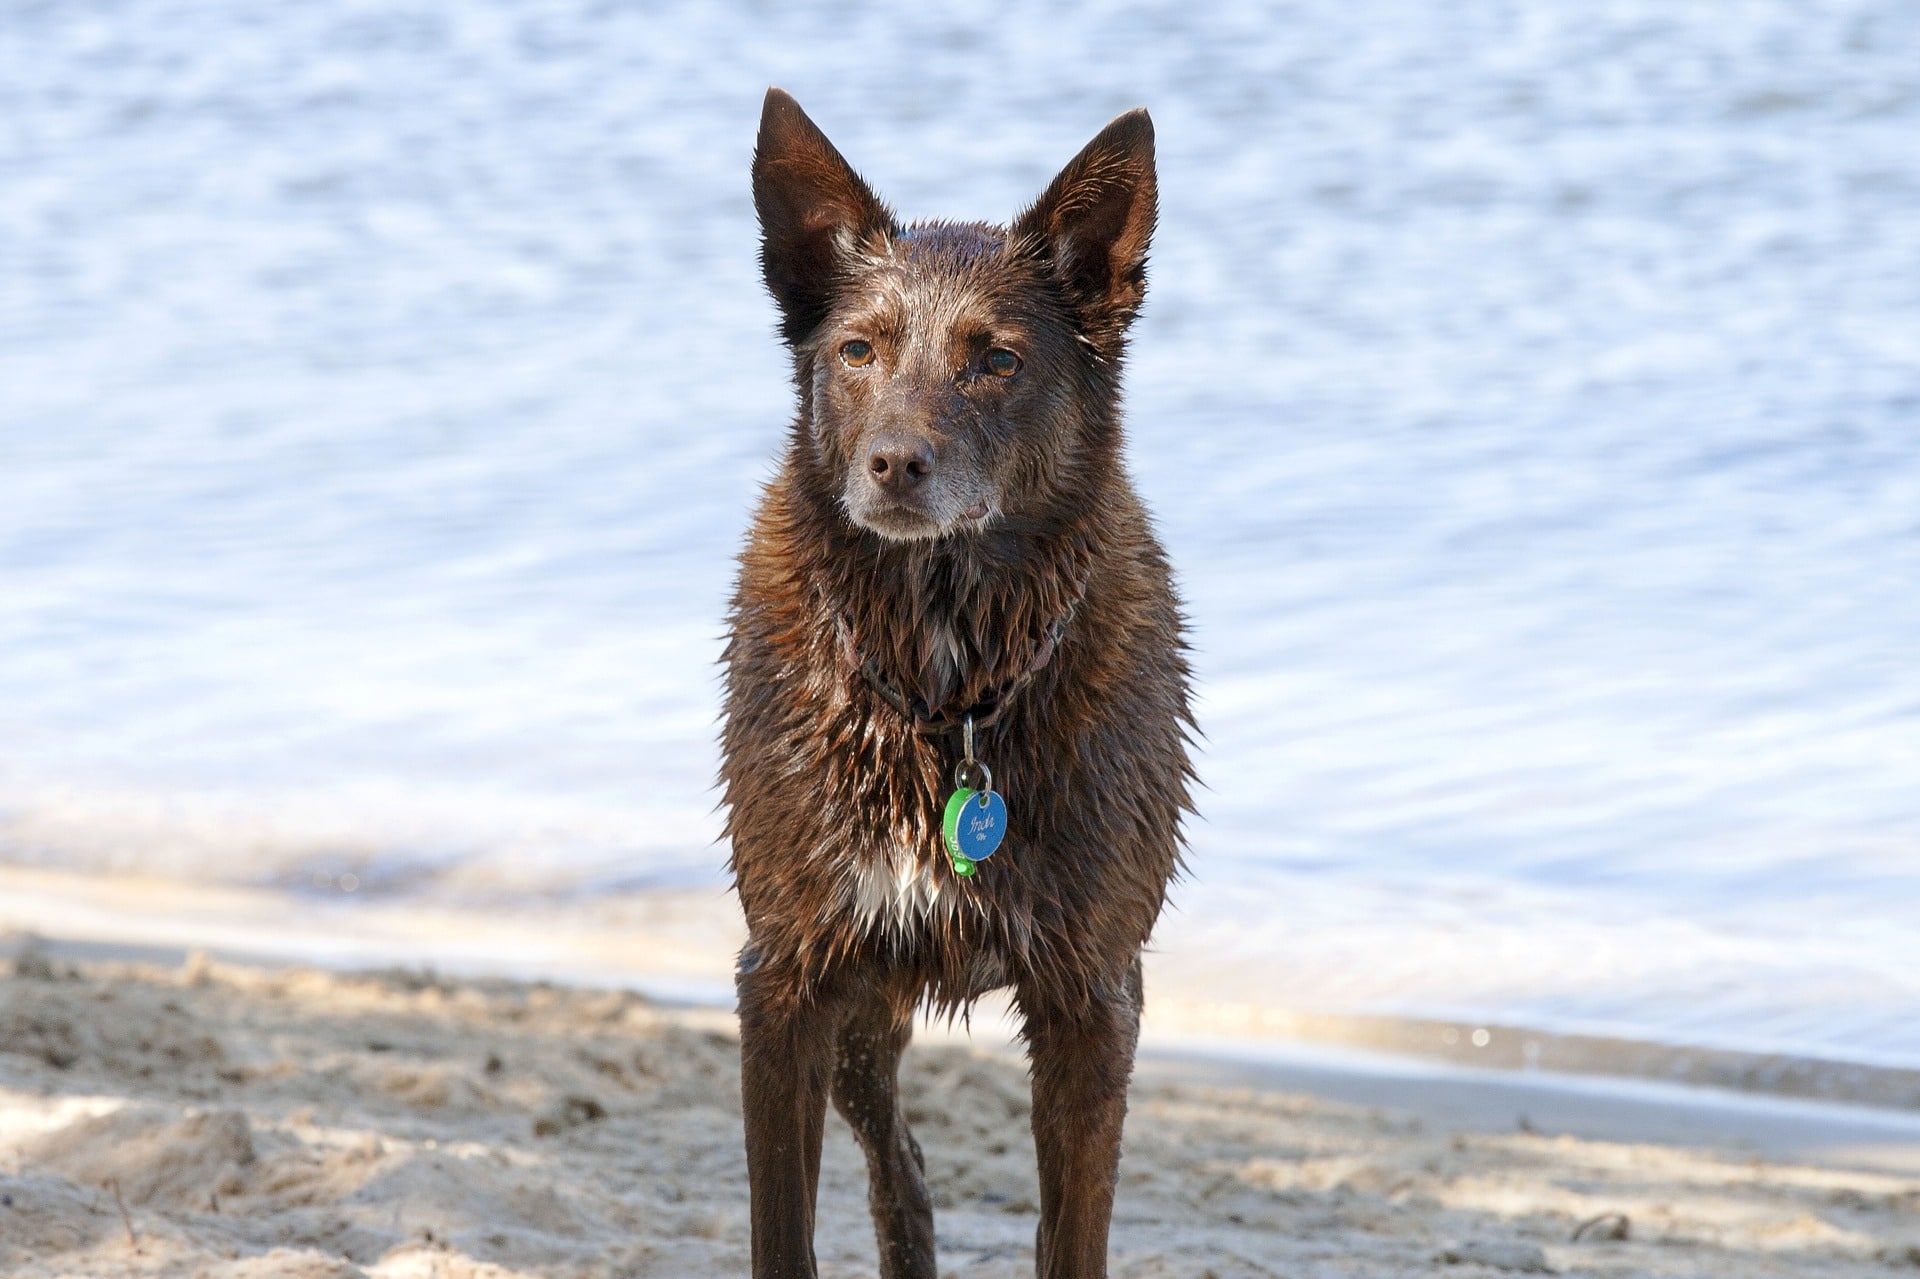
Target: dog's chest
column 894, row 895
column 925, row 917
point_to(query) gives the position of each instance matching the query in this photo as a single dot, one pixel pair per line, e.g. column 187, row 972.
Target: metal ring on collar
column 967, row 768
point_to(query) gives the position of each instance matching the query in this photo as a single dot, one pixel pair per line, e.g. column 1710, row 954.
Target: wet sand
column 679, row 944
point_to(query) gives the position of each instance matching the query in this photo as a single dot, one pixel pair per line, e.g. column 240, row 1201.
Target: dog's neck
column 958, row 621
column 945, row 622
column 969, row 705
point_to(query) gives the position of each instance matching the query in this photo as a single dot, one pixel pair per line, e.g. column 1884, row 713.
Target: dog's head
column 955, row 374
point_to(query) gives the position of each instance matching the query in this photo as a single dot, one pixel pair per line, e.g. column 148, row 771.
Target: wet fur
column 855, row 918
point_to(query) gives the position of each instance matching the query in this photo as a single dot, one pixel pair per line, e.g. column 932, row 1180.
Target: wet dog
column 957, row 713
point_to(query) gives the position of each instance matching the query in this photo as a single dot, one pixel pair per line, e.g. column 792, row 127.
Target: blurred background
column 1529, row 394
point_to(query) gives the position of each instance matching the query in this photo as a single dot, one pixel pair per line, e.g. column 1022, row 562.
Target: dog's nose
column 899, row 462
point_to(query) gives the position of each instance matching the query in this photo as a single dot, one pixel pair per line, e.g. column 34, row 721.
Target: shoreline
column 676, row 946
column 1450, row 1095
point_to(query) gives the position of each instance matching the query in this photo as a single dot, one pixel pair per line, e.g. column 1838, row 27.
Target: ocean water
column 1529, row 395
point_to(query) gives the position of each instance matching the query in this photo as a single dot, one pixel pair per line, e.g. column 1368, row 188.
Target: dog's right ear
column 815, row 214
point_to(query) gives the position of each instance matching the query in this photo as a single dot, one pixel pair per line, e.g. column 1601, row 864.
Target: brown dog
column 951, row 540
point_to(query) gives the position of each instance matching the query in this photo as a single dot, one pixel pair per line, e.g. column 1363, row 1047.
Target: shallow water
column 1529, row 395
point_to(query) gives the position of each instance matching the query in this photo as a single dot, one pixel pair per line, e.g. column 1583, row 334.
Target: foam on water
column 1529, row 394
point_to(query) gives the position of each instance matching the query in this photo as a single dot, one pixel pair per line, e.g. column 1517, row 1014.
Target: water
column 1528, row 393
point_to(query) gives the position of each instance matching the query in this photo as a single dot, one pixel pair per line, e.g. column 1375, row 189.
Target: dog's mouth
column 899, row 520
column 909, row 520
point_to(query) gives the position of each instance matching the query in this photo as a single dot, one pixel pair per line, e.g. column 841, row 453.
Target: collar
column 949, row 717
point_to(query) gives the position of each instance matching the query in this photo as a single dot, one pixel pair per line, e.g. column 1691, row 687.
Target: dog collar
column 947, row 718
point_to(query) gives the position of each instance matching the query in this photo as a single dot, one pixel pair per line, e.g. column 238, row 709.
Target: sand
column 238, row 1121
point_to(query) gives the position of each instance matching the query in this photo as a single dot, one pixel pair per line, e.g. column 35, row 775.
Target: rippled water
column 1529, row 394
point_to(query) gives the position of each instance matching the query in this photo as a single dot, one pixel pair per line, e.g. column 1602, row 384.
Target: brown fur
column 946, row 585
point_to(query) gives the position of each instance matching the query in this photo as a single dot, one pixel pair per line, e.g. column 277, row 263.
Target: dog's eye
column 857, row 354
column 1002, row 363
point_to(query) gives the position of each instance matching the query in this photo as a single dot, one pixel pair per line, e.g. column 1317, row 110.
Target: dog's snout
column 899, row 462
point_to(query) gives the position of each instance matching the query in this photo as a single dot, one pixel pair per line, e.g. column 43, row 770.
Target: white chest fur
column 895, row 894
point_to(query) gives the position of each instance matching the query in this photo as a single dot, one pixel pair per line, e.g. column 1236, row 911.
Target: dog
column 957, row 711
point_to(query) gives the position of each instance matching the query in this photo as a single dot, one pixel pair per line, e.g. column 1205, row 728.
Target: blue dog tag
column 975, row 823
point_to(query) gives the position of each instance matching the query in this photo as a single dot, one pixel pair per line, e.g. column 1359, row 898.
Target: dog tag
column 975, row 823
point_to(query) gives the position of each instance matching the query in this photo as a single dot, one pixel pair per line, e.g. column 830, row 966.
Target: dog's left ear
column 815, row 214
column 1094, row 223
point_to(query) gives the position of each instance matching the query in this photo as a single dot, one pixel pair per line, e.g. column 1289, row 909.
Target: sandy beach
column 228, row 1120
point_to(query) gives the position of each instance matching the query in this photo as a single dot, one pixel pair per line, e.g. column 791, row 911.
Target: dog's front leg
column 1081, row 1052
column 786, row 1057
column 866, row 1093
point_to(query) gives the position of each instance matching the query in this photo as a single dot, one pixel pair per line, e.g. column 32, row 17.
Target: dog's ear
column 815, row 213
column 1094, row 223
